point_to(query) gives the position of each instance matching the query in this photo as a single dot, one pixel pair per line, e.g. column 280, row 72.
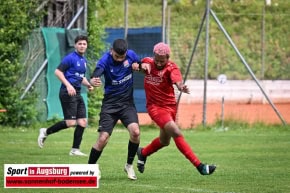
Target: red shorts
column 162, row 115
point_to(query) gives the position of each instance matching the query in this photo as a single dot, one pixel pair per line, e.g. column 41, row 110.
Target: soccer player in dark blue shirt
column 71, row 72
column 117, row 66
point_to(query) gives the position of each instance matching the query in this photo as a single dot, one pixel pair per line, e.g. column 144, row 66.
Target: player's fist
column 96, row 81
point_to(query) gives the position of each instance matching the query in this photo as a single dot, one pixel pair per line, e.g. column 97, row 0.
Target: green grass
column 249, row 160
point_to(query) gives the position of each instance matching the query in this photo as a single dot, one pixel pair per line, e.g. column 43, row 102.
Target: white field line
column 178, row 189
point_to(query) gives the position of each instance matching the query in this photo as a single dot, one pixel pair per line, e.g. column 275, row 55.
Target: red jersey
column 159, row 83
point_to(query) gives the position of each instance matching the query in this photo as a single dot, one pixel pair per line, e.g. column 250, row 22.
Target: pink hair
column 161, row 49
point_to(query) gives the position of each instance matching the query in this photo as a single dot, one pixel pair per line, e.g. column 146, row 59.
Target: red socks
column 186, row 150
column 181, row 144
column 154, row 146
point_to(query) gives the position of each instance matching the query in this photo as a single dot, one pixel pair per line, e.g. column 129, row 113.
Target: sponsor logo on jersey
column 126, row 78
column 126, row 63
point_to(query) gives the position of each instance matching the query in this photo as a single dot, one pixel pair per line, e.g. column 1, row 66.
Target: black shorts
column 73, row 107
column 108, row 120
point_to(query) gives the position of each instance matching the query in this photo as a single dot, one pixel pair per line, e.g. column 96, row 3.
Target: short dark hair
column 120, row 46
column 81, row 37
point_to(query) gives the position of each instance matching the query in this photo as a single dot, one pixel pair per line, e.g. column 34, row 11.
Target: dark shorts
column 108, row 120
column 73, row 107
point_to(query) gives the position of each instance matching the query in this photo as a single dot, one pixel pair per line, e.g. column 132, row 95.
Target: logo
column 126, row 63
column 154, row 80
column 51, row 175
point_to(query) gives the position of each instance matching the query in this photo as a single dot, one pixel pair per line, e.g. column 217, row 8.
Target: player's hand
column 185, row 89
column 96, row 81
column 71, row 90
column 146, row 67
column 90, row 87
column 135, row 66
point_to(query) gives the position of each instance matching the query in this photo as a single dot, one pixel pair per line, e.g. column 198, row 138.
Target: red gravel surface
column 191, row 115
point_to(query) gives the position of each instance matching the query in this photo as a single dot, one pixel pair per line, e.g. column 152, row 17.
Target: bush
column 12, row 37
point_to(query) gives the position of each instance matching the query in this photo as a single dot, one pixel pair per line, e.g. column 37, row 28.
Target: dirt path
column 191, row 115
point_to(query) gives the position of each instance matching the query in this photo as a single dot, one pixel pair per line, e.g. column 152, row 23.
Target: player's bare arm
column 87, row 84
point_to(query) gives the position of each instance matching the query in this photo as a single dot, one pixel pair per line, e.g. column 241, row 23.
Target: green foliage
column 241, row 19
column 17, row 20
column 96, row 30
column 94, row 105
column 96, row 33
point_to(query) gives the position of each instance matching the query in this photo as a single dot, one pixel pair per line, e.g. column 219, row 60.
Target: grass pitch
column 249, row 160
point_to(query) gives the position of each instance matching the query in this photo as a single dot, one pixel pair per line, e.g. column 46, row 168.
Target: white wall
column 238, row 91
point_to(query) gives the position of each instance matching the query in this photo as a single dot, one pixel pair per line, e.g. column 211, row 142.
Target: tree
column 96, row 34
column 18, row 19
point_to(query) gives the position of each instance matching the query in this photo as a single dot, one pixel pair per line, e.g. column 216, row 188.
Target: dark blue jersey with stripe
column 74, row 68
column 118, row 78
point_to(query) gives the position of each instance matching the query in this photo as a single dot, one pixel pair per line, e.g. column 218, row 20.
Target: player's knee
column 134, row 130
column 82, row 122
column 103, row 138
column 71, row 123
column 101, row 142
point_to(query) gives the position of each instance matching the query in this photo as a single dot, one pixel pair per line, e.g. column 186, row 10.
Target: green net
column 33, row 58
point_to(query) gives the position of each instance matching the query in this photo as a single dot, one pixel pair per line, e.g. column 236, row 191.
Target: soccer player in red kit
column 160, row 76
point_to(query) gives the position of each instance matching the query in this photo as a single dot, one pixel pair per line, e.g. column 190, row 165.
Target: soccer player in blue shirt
column 117, row 66
column 71, row 72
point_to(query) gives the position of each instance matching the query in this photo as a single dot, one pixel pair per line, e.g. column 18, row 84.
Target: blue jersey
column 74, row 68
column 118, row 79
column 118, row 75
